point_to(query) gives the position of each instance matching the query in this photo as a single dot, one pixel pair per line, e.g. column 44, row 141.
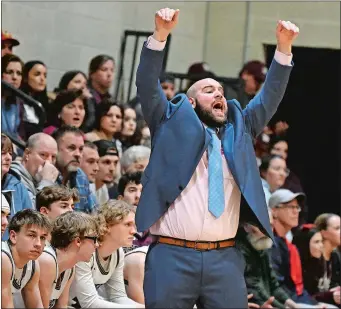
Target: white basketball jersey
column 20, row 277
column 59, row 282
column 101, row 273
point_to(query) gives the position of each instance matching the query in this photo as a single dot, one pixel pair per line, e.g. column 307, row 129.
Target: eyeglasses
column 93, row 238
column 291, row 207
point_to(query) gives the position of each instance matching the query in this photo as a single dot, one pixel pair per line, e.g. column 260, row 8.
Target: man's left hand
column 286, row 33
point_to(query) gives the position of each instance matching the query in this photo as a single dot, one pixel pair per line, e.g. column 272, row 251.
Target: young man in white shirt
column 28, row 231
column 99, row 283
column 73, row 240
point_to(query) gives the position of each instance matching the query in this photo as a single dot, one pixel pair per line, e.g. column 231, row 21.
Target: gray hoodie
column 29, row 182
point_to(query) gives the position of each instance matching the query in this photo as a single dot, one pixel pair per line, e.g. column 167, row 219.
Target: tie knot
column 212, row 130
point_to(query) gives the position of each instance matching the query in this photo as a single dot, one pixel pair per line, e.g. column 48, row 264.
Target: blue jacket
column 179, row 140
column 21, row 199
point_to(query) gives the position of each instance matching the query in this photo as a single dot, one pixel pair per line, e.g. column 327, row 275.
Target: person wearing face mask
column 201, row 169
column 69, row 108
column 34, row 84
column 37, row 168
column 316, row 270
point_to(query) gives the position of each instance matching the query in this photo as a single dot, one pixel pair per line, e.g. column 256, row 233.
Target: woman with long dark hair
column 316, row 270
column 34, row 84
column 11, row 107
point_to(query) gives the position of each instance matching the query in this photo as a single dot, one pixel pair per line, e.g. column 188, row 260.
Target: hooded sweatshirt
column 29, row 182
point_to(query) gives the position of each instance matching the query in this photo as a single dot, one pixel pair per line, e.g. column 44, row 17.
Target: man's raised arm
column 264, row 105
column 153, row 101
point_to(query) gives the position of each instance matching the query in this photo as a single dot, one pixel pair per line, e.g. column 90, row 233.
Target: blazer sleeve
column 149, row 92
column 263, row 106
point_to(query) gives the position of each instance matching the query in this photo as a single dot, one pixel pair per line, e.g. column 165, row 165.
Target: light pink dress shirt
column 188, row 217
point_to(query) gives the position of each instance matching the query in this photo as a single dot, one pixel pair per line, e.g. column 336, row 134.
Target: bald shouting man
column 201, row 168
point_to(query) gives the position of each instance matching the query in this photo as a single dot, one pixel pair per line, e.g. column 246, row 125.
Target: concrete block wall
column 319, row 24
column 66, row 35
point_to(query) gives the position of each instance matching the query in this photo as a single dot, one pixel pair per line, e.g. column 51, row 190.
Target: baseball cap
column 256, row 68
column 284, row 196
column 6, row 36
column 4, row 203
column 106, row 148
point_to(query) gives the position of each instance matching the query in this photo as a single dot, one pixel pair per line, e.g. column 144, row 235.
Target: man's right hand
column 165, row 20
column 268, row 303
column 48, row 172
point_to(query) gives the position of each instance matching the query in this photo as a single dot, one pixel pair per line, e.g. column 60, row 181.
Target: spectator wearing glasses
column 285, row 206
column 99, row 283
column 273, row 172
column 73, row 240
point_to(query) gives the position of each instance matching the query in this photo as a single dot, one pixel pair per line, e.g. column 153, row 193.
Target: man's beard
column 259, row 244
column 207, row 117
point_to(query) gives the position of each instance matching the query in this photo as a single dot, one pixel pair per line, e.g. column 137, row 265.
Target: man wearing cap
column 7, row 43
column 201, row 169
column 5, row 213
column 107, row 163
column 286, row 206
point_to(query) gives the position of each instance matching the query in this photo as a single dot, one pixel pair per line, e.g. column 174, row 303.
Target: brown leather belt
column 197, row 245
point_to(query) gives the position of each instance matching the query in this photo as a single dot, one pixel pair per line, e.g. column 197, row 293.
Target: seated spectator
column 53, row 201
column 261, row 280
column 107, row 124
column 28, row 231
column 11, row 180
column 89, row 161
column 7, row 43
column 285, row 257
column 11, row 106
column 73, row 240
column 145, row 132
column 37, row 168
column 135, row 159
column 99, row 283
column 130, row 135
column 329, row 226
column 316, row 273
column 70, row 144
column 34, row 84
column 108, row 159
column 167, row 82
column 273, row 172
column 69, row 108
column 253, row 74
column 133, row 273
column 5, row 213
column 101, row 76
column 78, row 80
column 130, row 188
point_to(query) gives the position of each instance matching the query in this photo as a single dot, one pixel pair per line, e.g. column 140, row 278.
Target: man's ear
column 27, row 152
column 43, row 210
column 120, row 197
column 193, row 102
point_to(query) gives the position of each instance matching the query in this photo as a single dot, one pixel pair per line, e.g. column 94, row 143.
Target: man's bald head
column 37, row 138
column 208, row 101
column 40, row 147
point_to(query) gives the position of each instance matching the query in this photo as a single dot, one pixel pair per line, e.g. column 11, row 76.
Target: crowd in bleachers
column 71, row 170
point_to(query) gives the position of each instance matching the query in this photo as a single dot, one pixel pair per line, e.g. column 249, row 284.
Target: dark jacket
column 260, row 278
